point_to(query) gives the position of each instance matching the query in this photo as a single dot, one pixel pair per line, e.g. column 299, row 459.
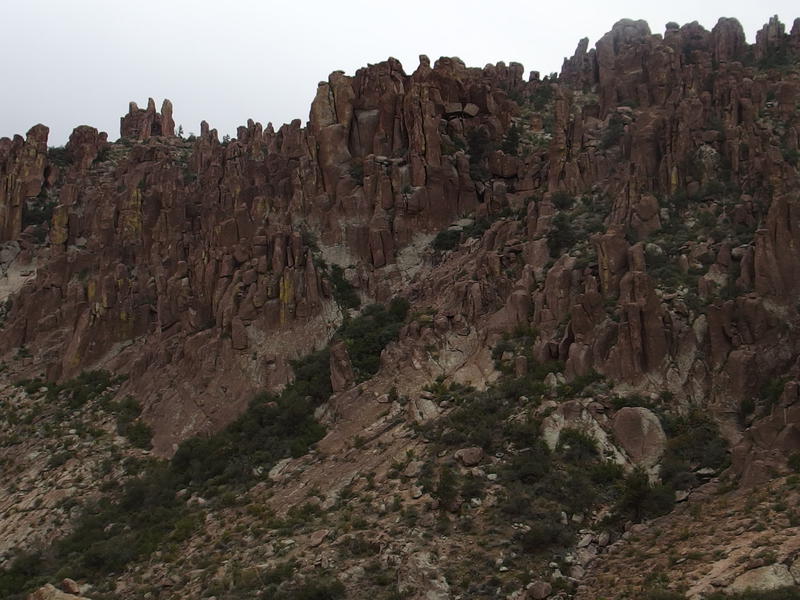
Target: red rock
column 342, row 376
column 142, row 124
column 470, row 457
column 22, row 171
column 639, row 432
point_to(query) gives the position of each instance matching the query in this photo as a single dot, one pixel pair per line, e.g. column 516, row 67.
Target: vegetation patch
column 368, row 334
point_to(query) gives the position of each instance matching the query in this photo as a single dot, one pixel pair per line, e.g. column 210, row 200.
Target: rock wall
column 194, row 266
column 22, row 174
column 190, row 265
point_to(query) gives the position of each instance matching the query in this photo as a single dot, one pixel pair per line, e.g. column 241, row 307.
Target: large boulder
column 770, row 577
column 639, row 432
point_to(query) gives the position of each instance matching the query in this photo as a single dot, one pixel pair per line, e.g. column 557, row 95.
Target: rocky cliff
column 632, row 221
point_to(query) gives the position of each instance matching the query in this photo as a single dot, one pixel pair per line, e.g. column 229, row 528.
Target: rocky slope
column 598, row 273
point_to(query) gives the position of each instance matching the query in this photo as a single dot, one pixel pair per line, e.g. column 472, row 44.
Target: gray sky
column 72, row 62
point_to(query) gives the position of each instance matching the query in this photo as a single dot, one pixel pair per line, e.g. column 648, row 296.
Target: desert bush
column 614, row 132
column 129, row 425
column 576, row 446
column 642, row 500
column 446, row 240
column 546, row 535
column 694, row 441
column 561, row 237
column 344, row 293
column 368, row 334
column 563, row 200
column 59, row 156
column 511, row 141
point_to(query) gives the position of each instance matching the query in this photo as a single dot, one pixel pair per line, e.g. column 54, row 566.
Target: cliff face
column 635, row 220
column 189, row 265
column 197, row 253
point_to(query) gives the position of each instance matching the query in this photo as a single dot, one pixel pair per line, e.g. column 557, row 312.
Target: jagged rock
column 85, row 145
column 342, row 376
column 142, row 124
column 22, row 172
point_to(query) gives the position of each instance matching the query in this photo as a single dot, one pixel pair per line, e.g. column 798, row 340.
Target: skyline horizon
column 188, row 116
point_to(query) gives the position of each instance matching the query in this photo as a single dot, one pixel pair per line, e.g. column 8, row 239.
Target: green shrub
column 446, row 490
column 563, row 200
column 511, row 141
column 128, row 425
column 794, row 462
column 84, row 388
column 368, row 334
column 546, row 535
column 39, row 212
column 576, row 446
column 694, row 439
column 614, row 132
column 357, row 173
column 542, row 96
column 641, row 500
column 771, row 391
column 446, row 240
column 59, row 156
column 23, row 576
column 561, row 237
column 531, row 466
column 140, row 435
column 344, row 293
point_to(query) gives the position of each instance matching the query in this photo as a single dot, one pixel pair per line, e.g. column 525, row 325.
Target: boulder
column 48, row 592
column 470, row 457
column 770, row 577
column 639, row 432
column 539, row 590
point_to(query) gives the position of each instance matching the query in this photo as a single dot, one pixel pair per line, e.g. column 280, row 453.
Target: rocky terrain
column 467, row 334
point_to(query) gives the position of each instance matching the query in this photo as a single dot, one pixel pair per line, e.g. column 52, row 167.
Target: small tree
column 511, row 142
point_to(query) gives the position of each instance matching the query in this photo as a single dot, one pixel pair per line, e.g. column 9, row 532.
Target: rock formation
column 632, row 221
column 22, row 173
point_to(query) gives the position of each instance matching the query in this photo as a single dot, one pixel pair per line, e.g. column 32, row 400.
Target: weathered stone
column 539, row 590
column 470, row 457
column 770, row 577
column 48, row 592
column 639, row 432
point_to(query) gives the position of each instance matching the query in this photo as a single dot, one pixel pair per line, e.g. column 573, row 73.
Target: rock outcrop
column 22, row 174
column 624, row 233
column 143, row 123
column 203, row 262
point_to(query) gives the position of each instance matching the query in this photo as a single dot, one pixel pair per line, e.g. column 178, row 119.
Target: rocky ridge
column 627, row 221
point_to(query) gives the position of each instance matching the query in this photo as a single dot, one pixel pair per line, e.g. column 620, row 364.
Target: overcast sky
column 72, row 62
